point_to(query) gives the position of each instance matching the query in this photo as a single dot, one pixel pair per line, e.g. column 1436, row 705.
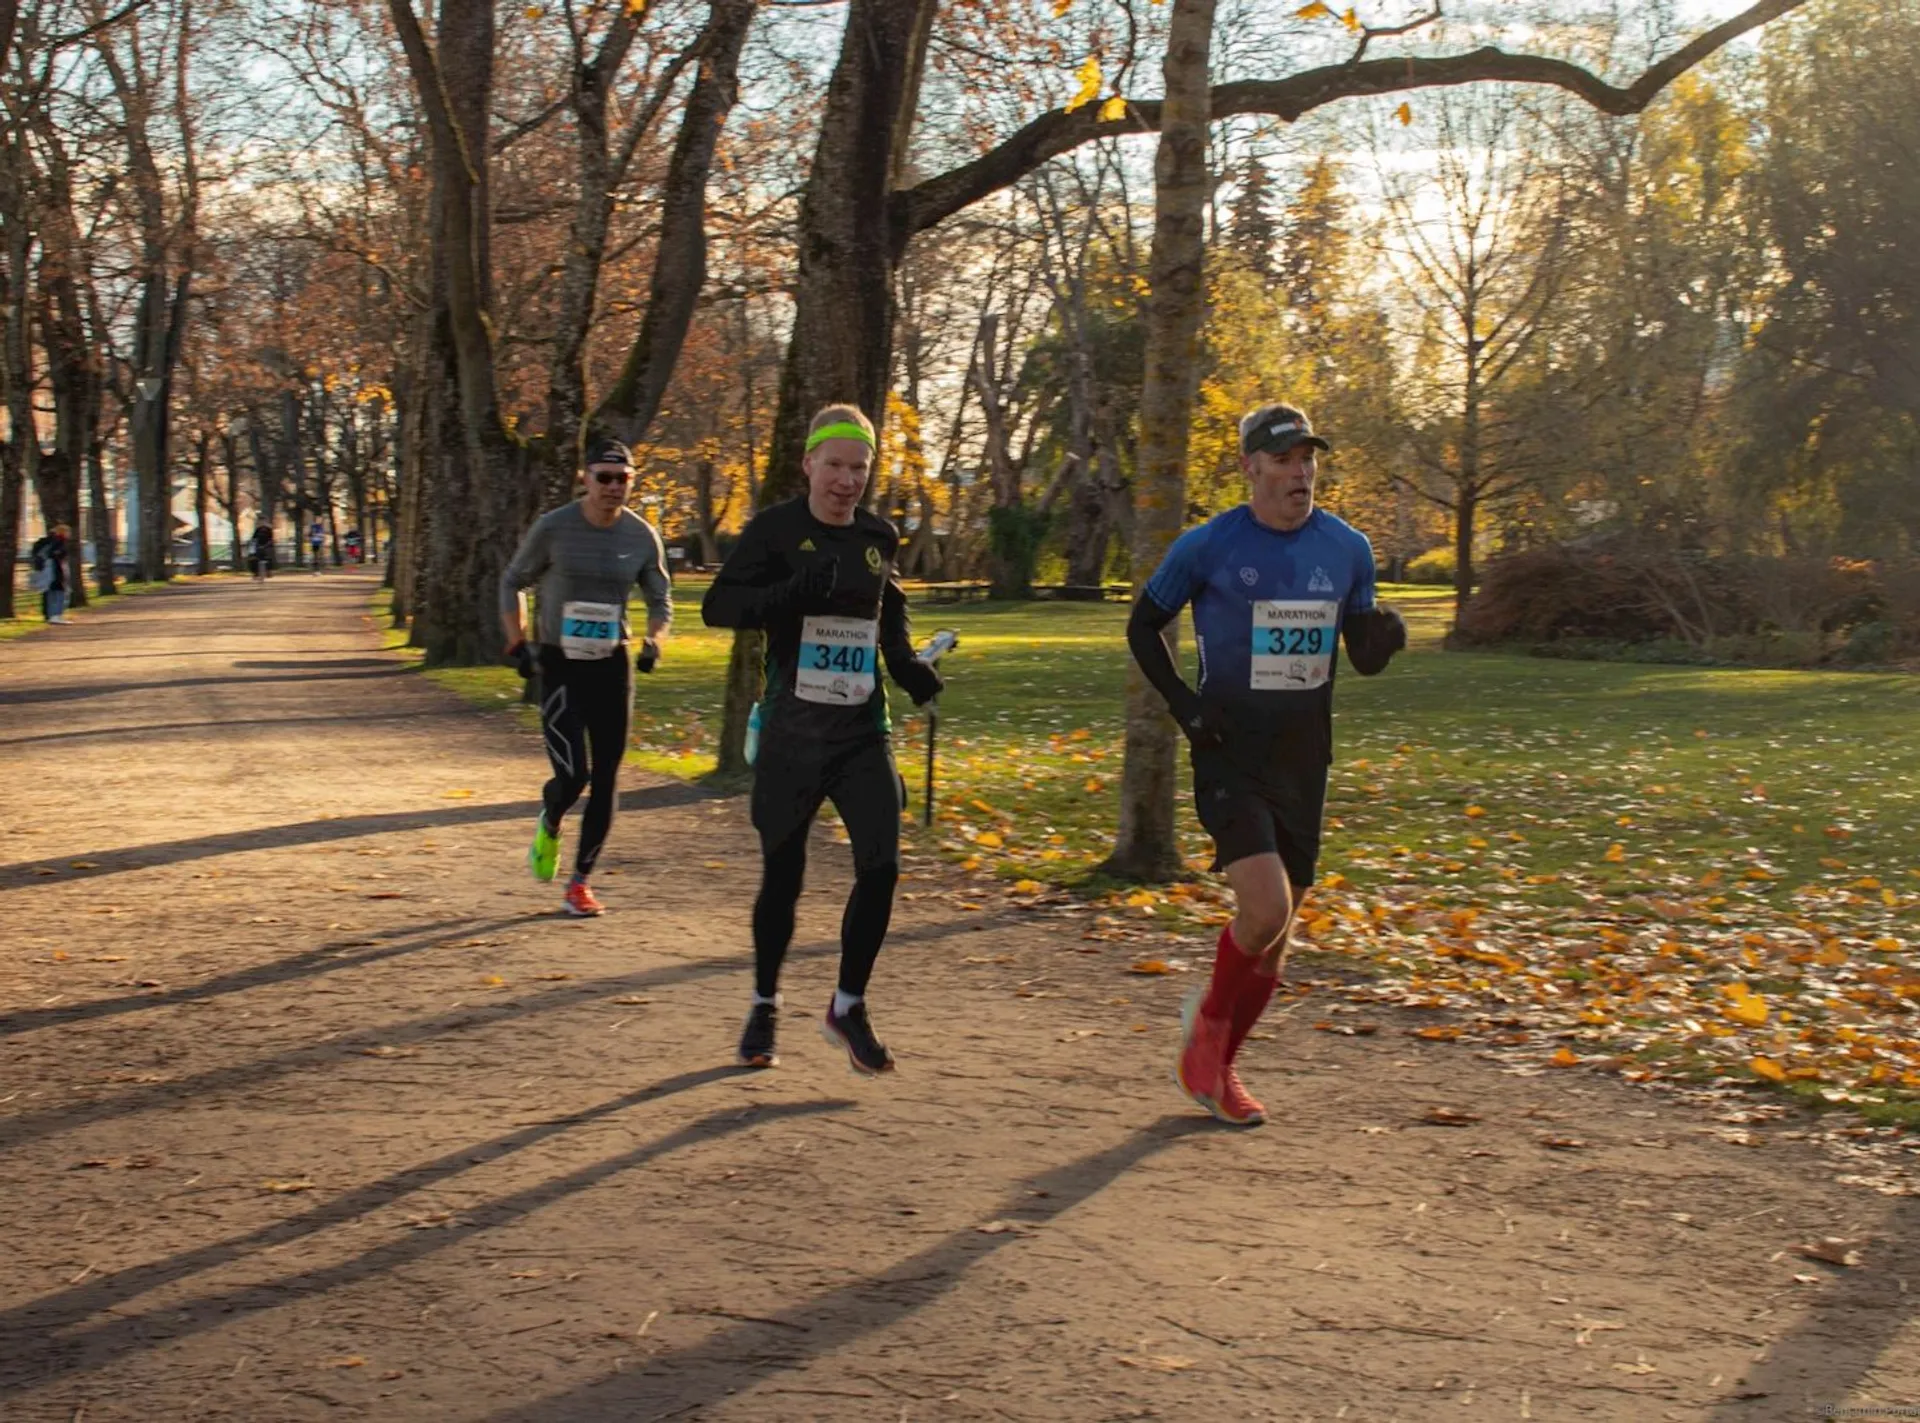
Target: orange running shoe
column 1198, row 1072
column 1236, row 1104
column 1204, row 1073
column 580, row 903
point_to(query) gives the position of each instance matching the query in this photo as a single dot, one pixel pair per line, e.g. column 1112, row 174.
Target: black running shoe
column 756, row 1043
column 865, row 1053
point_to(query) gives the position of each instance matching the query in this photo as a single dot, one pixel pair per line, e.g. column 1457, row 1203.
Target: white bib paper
column 836, row 660
column 1293, row 644
column 589, row 631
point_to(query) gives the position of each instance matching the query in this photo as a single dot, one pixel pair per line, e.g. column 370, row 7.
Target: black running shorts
column 1280, row 813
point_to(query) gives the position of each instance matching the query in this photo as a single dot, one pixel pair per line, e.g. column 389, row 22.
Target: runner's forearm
column 1147, row 642
column 750, row 591
column 896, row 629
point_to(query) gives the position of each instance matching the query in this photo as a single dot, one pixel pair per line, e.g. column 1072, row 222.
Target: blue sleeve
column 1181, row 573
column 1360, row 597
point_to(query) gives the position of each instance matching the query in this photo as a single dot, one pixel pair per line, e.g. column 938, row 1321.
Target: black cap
column 1282, row 428
column 605, row 451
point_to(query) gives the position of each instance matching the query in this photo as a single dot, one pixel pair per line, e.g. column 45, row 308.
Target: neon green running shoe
column 543, row 856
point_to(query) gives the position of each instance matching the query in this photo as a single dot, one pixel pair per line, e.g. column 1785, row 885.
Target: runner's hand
column 1201, row 734
column 648, row 657
column 813, row 585
column 521, row 656
column 919, row 681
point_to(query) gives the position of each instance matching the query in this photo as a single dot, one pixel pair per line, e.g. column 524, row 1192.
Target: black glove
column 1396, row 628
column 1201, row 734
column 521, row 656
column 648, row 657
column 1373, row 637
column 918, row 680
column 811, row 588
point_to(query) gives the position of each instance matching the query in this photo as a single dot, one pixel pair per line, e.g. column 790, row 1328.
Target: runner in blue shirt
column 1274, row 584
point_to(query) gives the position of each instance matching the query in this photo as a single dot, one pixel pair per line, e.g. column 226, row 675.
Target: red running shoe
column 580, row 903
column 1204, row 1073
column 1236, row 1104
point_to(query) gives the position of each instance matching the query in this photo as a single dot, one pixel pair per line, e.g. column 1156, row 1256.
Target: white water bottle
column 943, row 642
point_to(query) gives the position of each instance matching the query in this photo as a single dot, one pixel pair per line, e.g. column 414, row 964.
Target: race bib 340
column 836, row 661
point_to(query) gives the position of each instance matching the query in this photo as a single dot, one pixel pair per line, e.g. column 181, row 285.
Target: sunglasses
column 612, row 476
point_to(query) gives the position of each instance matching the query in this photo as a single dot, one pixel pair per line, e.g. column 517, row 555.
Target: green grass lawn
column 1716, row 870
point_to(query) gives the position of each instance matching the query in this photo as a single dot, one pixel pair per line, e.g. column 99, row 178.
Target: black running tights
column 865, row 788
column 584, row 711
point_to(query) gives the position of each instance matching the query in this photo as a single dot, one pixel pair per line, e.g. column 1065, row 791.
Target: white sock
column 842, row 1000
column 758, row 1000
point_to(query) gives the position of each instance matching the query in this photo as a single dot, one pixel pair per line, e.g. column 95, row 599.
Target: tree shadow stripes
column 327, row 958
column 27, row 873
column 32, row 1126
column 30, row 1355
column 689, row 1379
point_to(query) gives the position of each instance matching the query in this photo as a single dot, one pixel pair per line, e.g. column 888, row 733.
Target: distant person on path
column 260, row 552
column 48, row 573
column 583, row 559
column 316, row 538
column 353, row 546
column 1273, row 584
column 817, row 574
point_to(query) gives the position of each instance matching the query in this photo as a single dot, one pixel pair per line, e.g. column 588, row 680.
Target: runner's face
column 1283, row 484
column 836, row 478
column 607, row 498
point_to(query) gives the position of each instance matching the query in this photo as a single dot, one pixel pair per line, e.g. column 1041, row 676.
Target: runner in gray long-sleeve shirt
column 585, row 558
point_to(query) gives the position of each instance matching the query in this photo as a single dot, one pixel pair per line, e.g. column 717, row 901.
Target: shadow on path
column 72, row 1306
column 317, row 832
column 187, row 1091
column 31, row 1357
column 82, row 691
column 327, row 958
column 688, row 1379
column 198, row 728
column 1816, row 1367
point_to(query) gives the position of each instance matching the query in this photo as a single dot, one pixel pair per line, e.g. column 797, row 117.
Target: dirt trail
column 266, row 921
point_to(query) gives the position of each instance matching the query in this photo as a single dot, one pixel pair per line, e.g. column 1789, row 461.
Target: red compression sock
column 1231, row 968
column 1255, row 990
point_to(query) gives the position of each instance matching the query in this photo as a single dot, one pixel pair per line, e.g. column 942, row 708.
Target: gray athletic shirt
column 572, row 561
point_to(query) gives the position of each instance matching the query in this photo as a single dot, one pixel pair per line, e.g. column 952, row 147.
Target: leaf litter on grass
column 1697, row 875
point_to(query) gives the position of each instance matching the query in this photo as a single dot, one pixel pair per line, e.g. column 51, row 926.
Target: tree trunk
column 1466, row 509
column 680, row 256
column 704, row 510
column 230, row 501
column 841, row 345
column 203, row 458
column 18, row 455
column 1466, row 503
column 10, row 501
column 1146, row 847
column 100, row 519
column 1091, row 518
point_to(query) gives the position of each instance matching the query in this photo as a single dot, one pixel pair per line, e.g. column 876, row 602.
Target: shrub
column 1580, row 600
column 1436, row 565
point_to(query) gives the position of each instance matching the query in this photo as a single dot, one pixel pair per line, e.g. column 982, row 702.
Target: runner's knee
column 877, row 880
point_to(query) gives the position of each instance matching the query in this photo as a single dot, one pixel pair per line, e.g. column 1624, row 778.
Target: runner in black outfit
column 817, row 574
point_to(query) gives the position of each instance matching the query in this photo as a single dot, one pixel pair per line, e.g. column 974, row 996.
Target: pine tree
column 1251, row 231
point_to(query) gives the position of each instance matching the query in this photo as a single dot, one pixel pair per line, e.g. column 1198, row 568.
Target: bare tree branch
column 1059, row 131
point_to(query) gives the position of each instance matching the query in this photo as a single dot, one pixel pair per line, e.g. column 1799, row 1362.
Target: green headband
column 845, row 430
